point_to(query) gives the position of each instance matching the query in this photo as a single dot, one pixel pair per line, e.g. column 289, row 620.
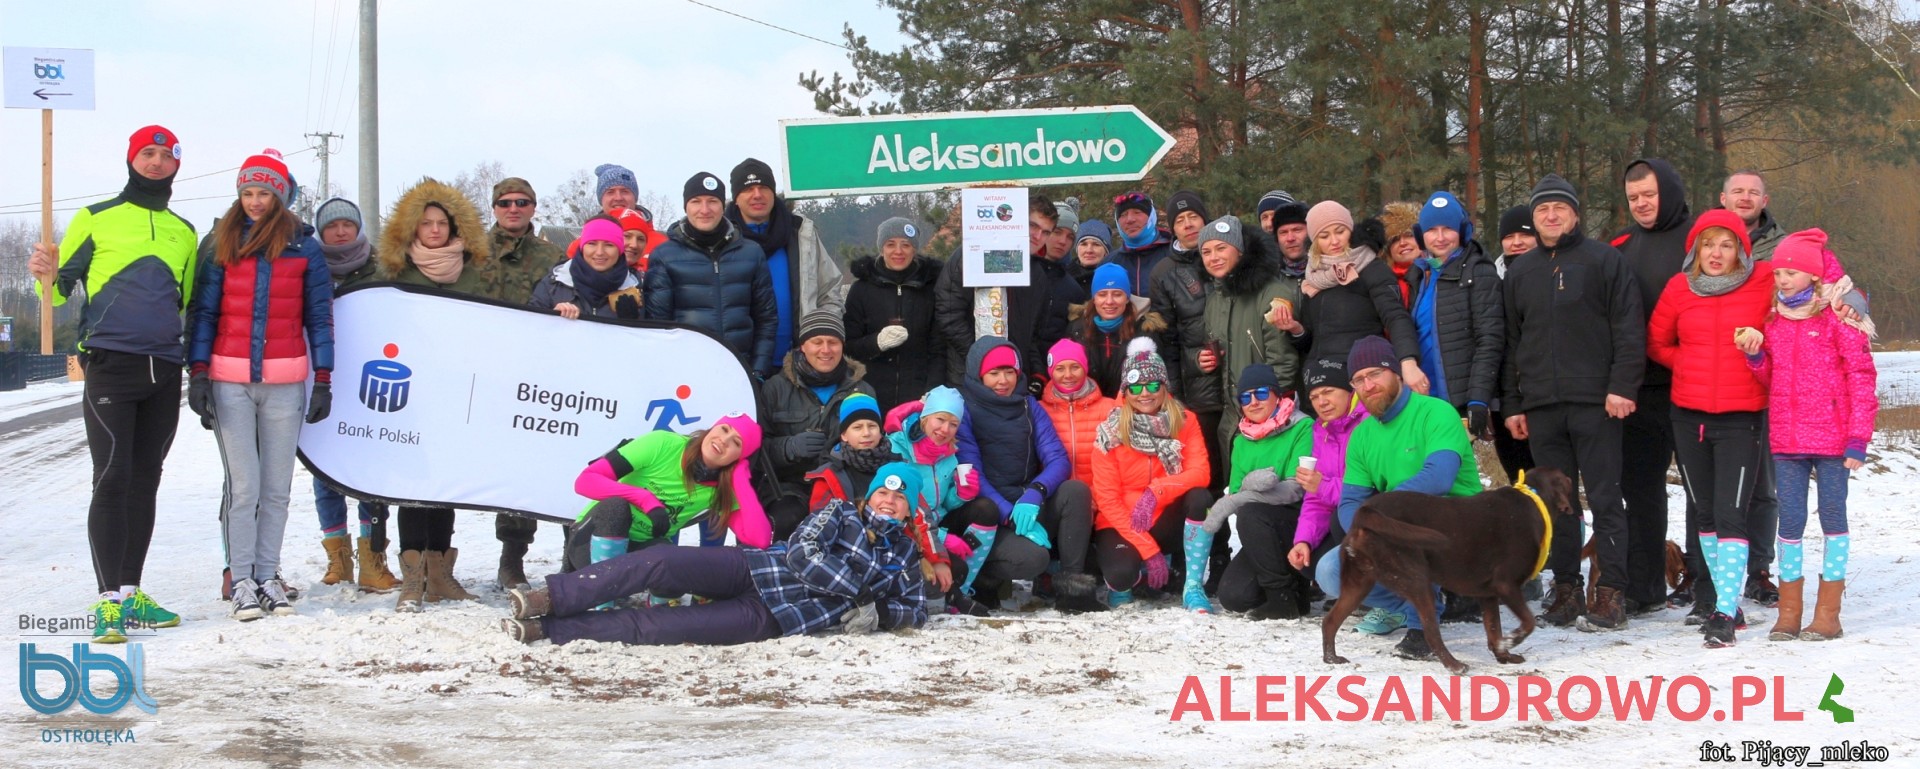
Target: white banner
column 445, row 401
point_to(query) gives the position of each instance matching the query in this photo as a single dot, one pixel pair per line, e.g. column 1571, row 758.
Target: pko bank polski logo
column 129, row 679
column 384, row 384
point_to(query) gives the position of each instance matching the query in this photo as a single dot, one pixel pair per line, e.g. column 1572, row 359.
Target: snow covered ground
column 348, row 683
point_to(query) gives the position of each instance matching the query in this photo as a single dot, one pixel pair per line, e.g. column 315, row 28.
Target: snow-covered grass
column 349, row 683
column 38, row 396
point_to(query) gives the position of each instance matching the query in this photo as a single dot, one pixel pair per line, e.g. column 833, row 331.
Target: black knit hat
column 703, row 183
column 750, row 172
column 1132, row 201
column 1516, row 219
column 1258, row 375
column 1289, row 213
column 1187, row 200
column 1325, row 373
column 1371, row 352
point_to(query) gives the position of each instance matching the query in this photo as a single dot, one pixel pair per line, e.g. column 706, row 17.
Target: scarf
column 865, row 461
column 776, row 234
column 810, row 378
column 706, row 240
column 441, row 265
column 150, row 194
column 1716, row 285
column 1794, row 302
column 594, row 285
column 1293, row 268
column 702, row 473
column 343, row 259
column 1324, row 272
column 926, row 452
column 1086, row 388
column 1149, row 434
column 1260, row 430
column 1147, row 235
column 1108, row 326
column 1810, row 302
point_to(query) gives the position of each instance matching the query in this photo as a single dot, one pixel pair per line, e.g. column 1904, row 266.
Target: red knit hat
column 1720, row 217
column 631, row 221
column 268, row 171
column 1805, row 251
column 152, row 134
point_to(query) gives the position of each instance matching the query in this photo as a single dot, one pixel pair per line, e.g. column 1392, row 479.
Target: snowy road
column 350, row 684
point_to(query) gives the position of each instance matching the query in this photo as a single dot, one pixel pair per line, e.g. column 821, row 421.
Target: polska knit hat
column 1143, row 363
column 1551, row 188
column 607, row 176
column 856, row 407
column 1370, row 352
column 514, row 184
column 1326, row 373
column 821, row 321
column 1225, row 229
column 1324, row 214
column 903, row 477
column 1272, row 201
column 1516, row 219
column 703, row 184
column 599, row 228
column 1187, row 200
column 1096, row 229
column 1443, row 210
column 336, row 209
column 153, row 134
column 750, row 172
column 743, row 494
column 897, row 227
column 268, row 171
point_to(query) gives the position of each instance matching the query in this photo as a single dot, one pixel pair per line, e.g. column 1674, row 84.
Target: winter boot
column 413, row 581
column 1198, row 543
column 1826, row 612
column 1566, row 603
column 339, row 560
column 374, row 575
column 981, row 538
column 140, row 610
column 1281, row 604
column 1792, row 607
column 513, row 569
column 528, row 603
column 1761, row 589
column 441, row 586
column 525, row 631
column 1076, row 594
column 108, row 626
column 1608, row 612
column 601, row 549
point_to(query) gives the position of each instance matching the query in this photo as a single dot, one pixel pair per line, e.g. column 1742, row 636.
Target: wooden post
column 46, row 227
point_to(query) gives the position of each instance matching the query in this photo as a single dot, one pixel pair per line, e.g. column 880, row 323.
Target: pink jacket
column 1330, row 452
column 1820, row 378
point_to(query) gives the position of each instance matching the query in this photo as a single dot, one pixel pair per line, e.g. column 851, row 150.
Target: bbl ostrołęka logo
column 384, row 384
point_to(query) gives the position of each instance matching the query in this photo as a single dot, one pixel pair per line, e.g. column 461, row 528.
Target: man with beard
column 806, row 277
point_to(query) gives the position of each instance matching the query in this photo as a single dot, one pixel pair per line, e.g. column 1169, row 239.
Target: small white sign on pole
column 993, row 236
column 47, row 78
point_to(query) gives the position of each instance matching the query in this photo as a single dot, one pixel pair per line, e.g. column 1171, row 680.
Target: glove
column 957, row 547
column 1144, row 509
column 1026, row 523
column 804, row 445
column 891, row 337
column 1157, row 571
column 200, row 394
column 1479, row 421
column 862, row 619
column 967, row 484
column 320, row 403
column 206, row 423
column 661, row 519
column 1036, row 385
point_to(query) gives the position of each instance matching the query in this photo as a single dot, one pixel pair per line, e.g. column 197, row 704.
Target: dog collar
column 1546, row 539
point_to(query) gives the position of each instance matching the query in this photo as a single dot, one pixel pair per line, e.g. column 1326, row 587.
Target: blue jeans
column 332, row 506
column 1327, row 574
column 1791, row 475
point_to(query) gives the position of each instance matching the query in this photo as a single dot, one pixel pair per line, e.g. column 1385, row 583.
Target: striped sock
column 334, row 533
column 1835, row 568
column 1792, row 556
column 1729, row 576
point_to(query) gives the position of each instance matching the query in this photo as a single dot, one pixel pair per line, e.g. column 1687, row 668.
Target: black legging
column 426, row 528
column 1120, row 563
column 130, row 405
column 1261, row 571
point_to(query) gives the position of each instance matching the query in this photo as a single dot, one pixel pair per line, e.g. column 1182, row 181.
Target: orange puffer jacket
column 1122, row 475
column 1076, row 421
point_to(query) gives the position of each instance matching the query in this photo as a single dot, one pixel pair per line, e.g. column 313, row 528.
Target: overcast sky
column 546, row 87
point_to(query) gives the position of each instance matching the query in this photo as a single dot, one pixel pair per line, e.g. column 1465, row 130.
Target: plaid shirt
column 833, row 563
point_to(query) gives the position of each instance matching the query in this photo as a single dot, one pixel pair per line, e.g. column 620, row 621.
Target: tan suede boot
column 413, row 581
column 374, row 576
column 1826, row 613
column 1792, row 608
column 441, row 586
column 339, row 560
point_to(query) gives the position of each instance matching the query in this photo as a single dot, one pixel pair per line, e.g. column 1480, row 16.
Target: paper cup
column 961, row 470
column 1309, row 463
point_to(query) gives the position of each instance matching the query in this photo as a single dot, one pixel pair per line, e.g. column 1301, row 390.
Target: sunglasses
column 514, row 203
column 1144, row 387
column 1131, row 197
column 1256, row 394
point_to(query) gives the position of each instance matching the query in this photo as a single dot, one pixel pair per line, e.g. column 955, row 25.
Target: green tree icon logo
column 1841, row 713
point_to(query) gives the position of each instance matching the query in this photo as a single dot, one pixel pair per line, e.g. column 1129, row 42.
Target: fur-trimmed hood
column 396, row 233
column 1145, row 322
column 1256, row 269
column 856, row 371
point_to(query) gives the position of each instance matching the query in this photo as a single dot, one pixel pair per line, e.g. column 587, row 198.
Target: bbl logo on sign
column 383, row 383
column 129, row 680
column 48, row 71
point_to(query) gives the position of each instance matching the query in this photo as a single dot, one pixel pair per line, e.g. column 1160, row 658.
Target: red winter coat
column 1693, row 335
column 1076, row 422
column 265, row 321
column 1123, row 475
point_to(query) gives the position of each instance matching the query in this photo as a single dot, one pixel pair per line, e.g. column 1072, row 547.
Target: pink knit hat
column 1066, row 350
column 1327, row 212
column 602, row 229
column 749, row 431
column 998, row 357
column 1805, row 251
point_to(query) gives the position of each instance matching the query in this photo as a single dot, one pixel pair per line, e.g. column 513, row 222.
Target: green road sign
column 944, row 150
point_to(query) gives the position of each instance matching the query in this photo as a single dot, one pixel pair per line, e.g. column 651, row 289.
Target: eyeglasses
column 1370, row 375
column 1144, row 387
column 1256, row 394
column 513, row 203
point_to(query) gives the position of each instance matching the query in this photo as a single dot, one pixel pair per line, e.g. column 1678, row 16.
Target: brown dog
column 1484, row 546
column 1678, row 576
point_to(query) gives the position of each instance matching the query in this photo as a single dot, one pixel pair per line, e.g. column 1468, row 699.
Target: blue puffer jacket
column 726, row 290
column 1022, row 447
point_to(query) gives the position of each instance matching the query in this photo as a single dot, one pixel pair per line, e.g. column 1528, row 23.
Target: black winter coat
column 1575, row 329
column 1179, row 294
column 1471, row 322
column 1107, row 351
column 1036, row 315
column 727, row 290
column 1655, row 255
column 1339, row 316
column 792, row 408
column 878, row 297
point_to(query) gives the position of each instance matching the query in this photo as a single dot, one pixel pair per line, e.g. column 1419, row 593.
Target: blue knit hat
column 1442, row 210
column 856, row 407
column 903, row 477
column 943, row 400
column 608, row 175
column 1272, row 201
column 1110, row 275
column 1096, row 229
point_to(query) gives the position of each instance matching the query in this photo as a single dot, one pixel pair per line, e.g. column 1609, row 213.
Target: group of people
column 1160, row 380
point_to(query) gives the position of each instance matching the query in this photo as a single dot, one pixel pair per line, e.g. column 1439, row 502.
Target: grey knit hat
column 821, row 321
column 1069, row 218
column 898, row 227
column 1225, row 229
column 336, row 209
column 1552, row 187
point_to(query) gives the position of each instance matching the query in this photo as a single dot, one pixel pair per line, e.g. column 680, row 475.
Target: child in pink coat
column 1819, row 372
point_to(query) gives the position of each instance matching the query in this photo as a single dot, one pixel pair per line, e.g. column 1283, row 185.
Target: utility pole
column 325, row 149
column 369, row 120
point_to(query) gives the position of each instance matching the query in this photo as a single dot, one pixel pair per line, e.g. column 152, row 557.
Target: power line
column 326, row 73
column 76, row 208
column 103, row 195
column 346, row 68
column 770, row 25
column 313, row 35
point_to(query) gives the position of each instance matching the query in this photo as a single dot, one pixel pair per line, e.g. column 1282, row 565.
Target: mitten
column 200, row 394
column 891, row 337
column 957, row 548
column 1479, row 421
